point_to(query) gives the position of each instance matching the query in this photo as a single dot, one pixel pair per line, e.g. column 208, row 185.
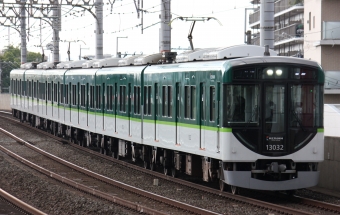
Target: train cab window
column 241, row 105
column 109, row 99
column 212, row 104
column 122, row 99
column 136, row 99
column 82, row 95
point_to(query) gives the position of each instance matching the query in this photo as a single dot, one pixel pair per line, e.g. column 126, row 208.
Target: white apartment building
column 322, row 42
column 288, row 26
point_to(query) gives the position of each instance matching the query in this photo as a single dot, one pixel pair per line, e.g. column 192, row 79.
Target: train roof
column 273, row 59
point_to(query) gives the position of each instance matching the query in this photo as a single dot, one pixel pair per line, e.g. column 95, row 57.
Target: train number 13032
column 274, row 147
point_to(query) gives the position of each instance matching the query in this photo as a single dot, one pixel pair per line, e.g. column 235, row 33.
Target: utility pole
column 267, row 23
column 23, row 31
column 99, row 29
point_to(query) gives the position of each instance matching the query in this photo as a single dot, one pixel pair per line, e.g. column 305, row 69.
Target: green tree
column 11, row 59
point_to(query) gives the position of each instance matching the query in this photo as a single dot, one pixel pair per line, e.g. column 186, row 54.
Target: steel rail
column 155, row 197
column 20, row 204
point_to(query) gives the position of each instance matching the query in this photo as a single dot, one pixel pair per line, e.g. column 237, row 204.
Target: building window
column 310, row 20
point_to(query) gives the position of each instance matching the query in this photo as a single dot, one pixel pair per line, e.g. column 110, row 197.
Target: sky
column 78, row 26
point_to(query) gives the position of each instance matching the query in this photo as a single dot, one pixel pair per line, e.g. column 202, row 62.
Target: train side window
column 169, row 101
column 178, row 100
column 212, row 104
column 156, row 99
column 164, row 101
column 36, row 84
column 145, row 100
column 42, row 91
column 20, row 87
column 82, row 95
column 193, row 102
column 186, row 102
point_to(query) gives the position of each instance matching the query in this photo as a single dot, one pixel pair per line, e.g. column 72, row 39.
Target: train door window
column 20, row 87
column 178, row 100
column 164, row 101
column 55, row 93
column 145, row 100
column 42, row 90
column 66, row 94
column 136, row 99
column 29, row 89
column 202, row 101
column 149, row 100
column 82, row 95
column 12, row 87
column 36, row 84
column 212, row 104
column 62, row 99
column 74, row 94
column 98, row 97
column 91, row 96
column 156, row 99
column 58, row 93
column 115, row 95
column 193, row 102
column 49, row 92
column 109, row 97
column 169, row 101
column 122, row 98
column 186, row 102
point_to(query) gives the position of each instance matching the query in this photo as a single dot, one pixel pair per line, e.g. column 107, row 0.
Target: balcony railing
column 278, row 7
column 289, row 32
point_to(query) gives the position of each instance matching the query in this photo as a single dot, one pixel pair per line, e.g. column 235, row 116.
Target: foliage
column 11, row 59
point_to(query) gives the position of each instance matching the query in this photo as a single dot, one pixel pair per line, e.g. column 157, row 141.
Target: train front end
column 272, row 110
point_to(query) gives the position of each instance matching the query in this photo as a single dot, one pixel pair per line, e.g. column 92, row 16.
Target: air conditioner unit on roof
column 192, row 55
column 145, row 59
column 106, row 62
column 128, row 61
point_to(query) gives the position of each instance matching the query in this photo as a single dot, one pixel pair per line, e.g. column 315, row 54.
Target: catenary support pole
column 23, row 31
column 267, row 23
column 99, row 29
column 165, row 31
column 56, row 28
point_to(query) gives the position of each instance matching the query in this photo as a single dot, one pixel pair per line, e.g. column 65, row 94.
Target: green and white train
column 252, row 122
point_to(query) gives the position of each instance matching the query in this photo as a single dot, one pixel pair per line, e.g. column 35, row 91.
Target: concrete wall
column 329, row 168
column 5, row 102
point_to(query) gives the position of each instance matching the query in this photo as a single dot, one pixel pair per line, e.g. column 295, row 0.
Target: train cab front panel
column 273, row 118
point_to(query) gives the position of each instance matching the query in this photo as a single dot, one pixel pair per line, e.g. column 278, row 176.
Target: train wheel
column 234, row 189
column 165, row 170
column 152, row 166
column 174, row 172
column 222, row 185
column 145, row 165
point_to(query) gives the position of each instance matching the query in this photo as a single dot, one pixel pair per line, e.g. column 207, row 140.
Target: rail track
column 316, row 205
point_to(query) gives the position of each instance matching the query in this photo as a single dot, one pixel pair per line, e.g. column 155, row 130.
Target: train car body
column 254, row 122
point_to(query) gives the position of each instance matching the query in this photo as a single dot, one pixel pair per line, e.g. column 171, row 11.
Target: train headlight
column 278, row 72
column 270, row 72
